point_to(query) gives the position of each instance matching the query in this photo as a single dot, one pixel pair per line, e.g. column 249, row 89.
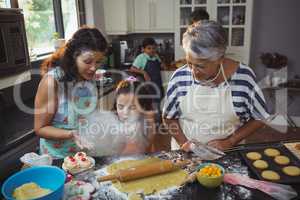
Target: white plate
column 79, row 170
column 291, row 147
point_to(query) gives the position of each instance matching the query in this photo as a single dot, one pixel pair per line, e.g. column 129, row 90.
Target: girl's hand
column 221, row 144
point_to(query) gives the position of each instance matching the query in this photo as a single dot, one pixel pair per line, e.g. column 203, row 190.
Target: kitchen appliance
column 123, row 48
column 121, row 54
column 14, row 56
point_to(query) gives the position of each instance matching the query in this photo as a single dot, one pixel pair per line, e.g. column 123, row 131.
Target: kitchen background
column 273, row 27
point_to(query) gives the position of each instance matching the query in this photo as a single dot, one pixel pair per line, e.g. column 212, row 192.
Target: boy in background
column 148, row 64
column 198, row 15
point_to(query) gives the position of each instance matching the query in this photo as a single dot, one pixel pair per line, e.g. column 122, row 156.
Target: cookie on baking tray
column 291, row 170
column 270, row 175
column 260, row 164
column 271, row 152
column 282, row 160
column 253, row 155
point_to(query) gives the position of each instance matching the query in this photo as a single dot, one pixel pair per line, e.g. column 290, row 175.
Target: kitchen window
column 70, row 17
column 39, row 24
column 45, row 18
column 5, row 4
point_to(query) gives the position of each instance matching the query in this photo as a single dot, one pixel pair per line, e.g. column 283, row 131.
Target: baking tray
column 272, row 164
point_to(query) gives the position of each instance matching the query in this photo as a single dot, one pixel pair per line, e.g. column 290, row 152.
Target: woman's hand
column 221, row 144
column 186, row 146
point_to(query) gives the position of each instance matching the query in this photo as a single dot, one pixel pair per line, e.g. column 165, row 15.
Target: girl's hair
column 138, row 89
column 85, row 38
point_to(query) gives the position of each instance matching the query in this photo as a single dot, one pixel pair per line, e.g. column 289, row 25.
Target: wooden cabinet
column 153, row 16
column 234, row 15
column 107, row 101
column 142, row 15
column 118, row 16
column 165, row 77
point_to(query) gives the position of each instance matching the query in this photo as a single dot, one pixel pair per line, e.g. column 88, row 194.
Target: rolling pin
column 142, row 171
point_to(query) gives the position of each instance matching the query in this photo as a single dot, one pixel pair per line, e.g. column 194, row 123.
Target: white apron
column 207, row 113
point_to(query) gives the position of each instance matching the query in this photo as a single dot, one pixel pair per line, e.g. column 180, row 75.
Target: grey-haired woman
column 212, row 99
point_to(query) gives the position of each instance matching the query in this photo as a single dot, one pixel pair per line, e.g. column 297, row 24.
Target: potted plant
column 57, row 40
column 274, row 63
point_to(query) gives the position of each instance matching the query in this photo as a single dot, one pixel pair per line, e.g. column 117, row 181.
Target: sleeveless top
column 75, row 102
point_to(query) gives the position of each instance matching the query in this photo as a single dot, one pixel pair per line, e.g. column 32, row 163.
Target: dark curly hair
column 137, row 88
column 198, row 15
column 85, row 38
column 148, row 41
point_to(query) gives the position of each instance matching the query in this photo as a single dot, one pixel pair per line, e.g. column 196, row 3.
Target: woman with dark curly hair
column 67, row 92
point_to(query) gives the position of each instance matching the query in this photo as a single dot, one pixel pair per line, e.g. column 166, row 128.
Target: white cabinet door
column 183, row 10
column 154, row 16
column 163, row 16
column 234, row 15
column 117, row 16
column 142, row 15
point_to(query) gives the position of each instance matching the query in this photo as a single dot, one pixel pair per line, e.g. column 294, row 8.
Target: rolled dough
column 148, row 185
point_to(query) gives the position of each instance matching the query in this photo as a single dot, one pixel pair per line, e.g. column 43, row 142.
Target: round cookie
column 270, row 175
column 260, row 164
column 291, row 170
column 282, row 160
column 253, row 155
column 271, row 152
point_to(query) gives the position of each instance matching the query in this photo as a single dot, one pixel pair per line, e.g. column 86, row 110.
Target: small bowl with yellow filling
column 210, row 175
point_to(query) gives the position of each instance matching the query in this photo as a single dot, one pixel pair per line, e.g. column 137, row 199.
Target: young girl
column 134, row 109
column 128, row 130
column 66, row 91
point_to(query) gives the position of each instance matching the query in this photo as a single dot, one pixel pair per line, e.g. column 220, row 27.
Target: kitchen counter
column 232, row 162
column 17, row 134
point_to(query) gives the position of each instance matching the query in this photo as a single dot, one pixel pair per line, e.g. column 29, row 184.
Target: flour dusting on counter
column 106, row 190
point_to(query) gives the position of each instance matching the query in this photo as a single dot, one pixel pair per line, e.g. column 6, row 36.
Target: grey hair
column 205, row 40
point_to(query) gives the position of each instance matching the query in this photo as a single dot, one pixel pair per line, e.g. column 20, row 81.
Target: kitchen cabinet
column 118, row 16
column 234, row 15
column 153, row 16
column 107, row 101
column 165, row 77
